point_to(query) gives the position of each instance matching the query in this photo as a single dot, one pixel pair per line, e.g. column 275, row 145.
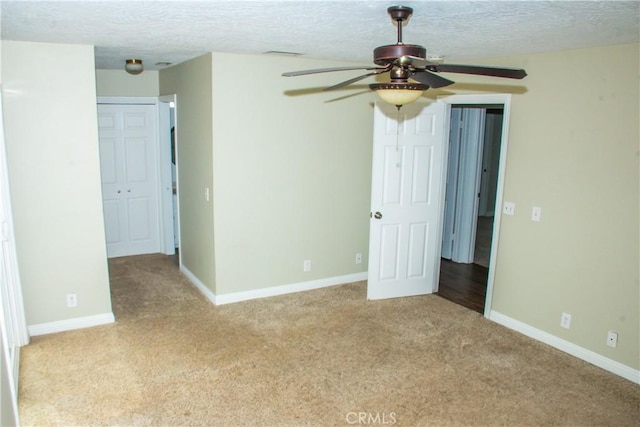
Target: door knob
column 377, row 215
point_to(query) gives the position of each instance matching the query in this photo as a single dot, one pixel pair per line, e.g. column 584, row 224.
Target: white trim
column 198, row 284
column 270, row 291
column 71, row 324
column 176, row 136
column 165, row 188
column 505, row 101
column 289, row 289
column 568, row 347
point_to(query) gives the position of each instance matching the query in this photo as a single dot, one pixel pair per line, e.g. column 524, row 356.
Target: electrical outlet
column 509, row 208
column 612, row 339
column 306, row 266
column 72, row 300
column 358, row 258
column 565, row 320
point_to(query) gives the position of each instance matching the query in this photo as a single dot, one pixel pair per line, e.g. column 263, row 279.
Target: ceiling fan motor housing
column 385, row 55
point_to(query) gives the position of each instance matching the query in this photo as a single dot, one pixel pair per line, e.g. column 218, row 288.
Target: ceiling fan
column 408, row 61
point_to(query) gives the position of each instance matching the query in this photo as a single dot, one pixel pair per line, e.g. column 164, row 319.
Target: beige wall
column 289, row 173
column 52, row 150
column 121, row 83
column 573, row 151
column 191, row 82
column 292, row 173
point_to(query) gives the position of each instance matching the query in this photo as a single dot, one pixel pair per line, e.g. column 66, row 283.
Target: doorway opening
column 475, row 146
column 139, row 133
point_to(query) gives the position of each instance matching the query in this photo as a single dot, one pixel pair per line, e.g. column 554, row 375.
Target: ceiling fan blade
column 348, row 82
column 378, row 70
column 433, row 80
column 510, row 73
column 327, row 70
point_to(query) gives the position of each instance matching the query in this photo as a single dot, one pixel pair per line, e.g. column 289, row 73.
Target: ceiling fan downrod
column 399, row 14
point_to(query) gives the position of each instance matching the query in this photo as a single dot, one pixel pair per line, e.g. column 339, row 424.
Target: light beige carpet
column 319, row 358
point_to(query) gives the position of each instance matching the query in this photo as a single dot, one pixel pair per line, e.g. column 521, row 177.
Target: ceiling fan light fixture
column 399, row 93
column 133, row 66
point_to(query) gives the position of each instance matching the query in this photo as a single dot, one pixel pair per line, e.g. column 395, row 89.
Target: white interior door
column 128, row 159
column 406, row 200
column 450, row 198
column 463, row 183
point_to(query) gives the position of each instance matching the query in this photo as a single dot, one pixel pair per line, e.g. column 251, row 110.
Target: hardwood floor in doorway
column 464, row 284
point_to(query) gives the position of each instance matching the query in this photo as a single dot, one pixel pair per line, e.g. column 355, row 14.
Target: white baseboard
column 198, row 284
column 289, row 289
column 271, row 291
column 568, row 347
column 70, row 324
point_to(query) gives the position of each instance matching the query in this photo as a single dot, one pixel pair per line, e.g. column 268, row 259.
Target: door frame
column 163, row 159
column 165, row 103
column 505, row 101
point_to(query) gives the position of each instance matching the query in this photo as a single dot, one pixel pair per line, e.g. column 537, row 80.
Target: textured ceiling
column 175, row 31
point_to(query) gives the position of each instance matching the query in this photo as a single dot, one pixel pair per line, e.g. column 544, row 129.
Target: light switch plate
column 536, row 213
